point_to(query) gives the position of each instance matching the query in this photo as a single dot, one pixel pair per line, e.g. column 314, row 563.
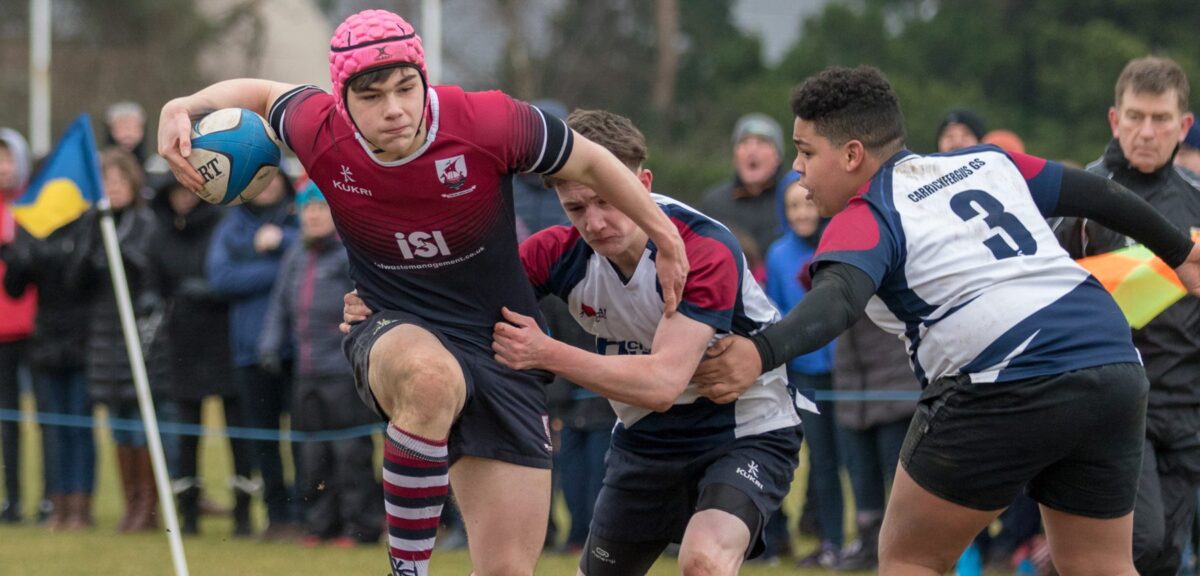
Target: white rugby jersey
column 967, row 271
column 623, row 315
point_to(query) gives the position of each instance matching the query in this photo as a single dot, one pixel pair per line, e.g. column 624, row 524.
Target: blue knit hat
column 310, row 193
column 1192, row 139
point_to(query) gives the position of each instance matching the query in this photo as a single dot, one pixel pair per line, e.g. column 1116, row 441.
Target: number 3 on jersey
column 966, row 205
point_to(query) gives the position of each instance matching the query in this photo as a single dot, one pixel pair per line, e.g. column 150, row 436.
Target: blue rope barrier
column 242, row 433
column 182, row 429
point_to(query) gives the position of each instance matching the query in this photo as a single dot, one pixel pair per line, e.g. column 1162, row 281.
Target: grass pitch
column 27, row 549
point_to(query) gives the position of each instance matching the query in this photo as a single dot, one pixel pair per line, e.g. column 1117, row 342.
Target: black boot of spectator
column 188, row 497
column 863, row 553
column 241, row 508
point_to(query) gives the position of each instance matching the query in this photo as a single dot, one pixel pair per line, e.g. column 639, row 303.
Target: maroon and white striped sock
column 415, row 484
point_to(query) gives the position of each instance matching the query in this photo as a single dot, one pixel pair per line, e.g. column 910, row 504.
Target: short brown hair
column 613, row 132
column 1153, row 75
column 364, row 80
column 113, row 157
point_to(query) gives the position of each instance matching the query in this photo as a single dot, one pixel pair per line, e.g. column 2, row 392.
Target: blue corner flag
column 67, row 184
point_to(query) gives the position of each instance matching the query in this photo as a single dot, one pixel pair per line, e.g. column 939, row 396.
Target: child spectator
column 787, row 283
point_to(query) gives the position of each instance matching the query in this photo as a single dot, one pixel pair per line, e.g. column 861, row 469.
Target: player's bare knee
column 703, row 553
column 699, row 561
column 421, row 382
column 431, row 390
column 502, row 567
column 891, row 562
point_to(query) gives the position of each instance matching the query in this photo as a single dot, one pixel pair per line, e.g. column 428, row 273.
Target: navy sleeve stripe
column 718, row 320
column 558, row 137
column 1046, row 188
column 278, row 111
column 545, row 140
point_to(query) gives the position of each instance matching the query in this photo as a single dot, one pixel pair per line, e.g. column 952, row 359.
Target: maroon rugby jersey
column 432, row 234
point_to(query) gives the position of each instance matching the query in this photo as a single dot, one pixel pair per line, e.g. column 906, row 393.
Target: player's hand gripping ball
column 237, row 154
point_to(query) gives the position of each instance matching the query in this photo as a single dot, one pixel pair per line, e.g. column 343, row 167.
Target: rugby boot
column 187, row 496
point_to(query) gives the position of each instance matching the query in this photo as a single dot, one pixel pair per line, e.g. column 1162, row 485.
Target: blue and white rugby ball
column 237, row 154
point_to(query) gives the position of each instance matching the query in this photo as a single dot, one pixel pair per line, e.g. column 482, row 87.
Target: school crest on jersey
column 452, row 171
column 597, row 313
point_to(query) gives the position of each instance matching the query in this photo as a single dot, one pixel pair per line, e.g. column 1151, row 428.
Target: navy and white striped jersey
column 967, row 271
column 623, row 314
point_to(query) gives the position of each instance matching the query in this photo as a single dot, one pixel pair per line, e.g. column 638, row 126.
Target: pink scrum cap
column 369, row 40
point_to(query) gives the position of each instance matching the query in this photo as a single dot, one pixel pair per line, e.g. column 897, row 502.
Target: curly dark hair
column 851, row 104
column 613, row 132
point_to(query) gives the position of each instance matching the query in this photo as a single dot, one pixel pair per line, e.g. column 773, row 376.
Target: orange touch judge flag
column 1141, row 283
column 65, row 187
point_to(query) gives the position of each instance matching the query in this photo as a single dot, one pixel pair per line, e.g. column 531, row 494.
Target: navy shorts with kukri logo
column 652, row 497
column 504, row 417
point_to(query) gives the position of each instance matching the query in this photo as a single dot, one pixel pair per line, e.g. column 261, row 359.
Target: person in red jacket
column 16, row 325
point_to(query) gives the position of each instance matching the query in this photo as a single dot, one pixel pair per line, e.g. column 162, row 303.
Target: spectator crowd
column 242, row 305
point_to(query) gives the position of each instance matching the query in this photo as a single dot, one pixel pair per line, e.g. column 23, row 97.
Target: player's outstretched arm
column 175, row 120
column 1113, row 206
column 593, row 166
column 839, row 296
column 651, row 381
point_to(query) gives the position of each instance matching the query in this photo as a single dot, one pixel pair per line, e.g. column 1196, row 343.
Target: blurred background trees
column 683, row 70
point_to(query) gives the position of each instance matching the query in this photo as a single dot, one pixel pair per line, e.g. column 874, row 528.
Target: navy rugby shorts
column 504, row 417
column 1073, row 441
column 651, row 497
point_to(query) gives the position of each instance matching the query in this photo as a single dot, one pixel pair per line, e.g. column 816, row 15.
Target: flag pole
column 431, row 34
column 133, row 344
column 39, row 76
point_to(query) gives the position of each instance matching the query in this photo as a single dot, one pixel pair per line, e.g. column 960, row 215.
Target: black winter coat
column 868, row 359
column 110, row 379
column 1169, row 344
column 61, row 325
column 196, row 321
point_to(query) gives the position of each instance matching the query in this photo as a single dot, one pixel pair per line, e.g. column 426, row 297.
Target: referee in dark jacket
column 1149, row 120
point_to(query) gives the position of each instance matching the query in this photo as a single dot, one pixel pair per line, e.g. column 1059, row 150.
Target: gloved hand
column 17, row 254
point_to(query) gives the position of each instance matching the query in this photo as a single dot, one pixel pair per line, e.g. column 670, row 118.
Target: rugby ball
column 237, row 154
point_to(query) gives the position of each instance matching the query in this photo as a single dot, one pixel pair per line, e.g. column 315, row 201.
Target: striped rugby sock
column 415, row 484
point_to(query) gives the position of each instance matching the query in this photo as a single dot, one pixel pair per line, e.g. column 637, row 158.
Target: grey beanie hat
column 761, row 125
column 20, row 152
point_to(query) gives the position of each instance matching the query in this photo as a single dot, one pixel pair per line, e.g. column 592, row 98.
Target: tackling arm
column 839, row 295
column 650, row 381
column 593, row 166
